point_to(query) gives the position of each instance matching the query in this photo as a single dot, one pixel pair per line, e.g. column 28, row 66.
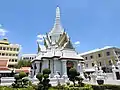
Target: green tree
column 23, row 63
column 73, row 75
column 44, row 79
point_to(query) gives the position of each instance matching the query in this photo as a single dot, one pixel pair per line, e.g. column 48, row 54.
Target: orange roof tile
column 4, row 68
column 20, row 70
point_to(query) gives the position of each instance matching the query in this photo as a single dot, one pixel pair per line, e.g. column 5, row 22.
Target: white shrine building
column 60, row 55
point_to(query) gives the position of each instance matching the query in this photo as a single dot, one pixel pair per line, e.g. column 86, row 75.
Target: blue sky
column 94, row 23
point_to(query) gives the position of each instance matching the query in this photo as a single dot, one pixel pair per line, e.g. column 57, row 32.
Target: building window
column 6, row 54
column 110, row 63
column 100, row 63
column 108, row 53
column 0, row 53
column 3, row 54
column 12, row 60
column 15, row 60
column 7, row 48
column 10, row 49
column 13, row 54
column 9, row 54
column 14, row 49
column 4, row 48
column 86, row 65
column 85, row 58
column 0, row 48
column 9, row 60
column 91, row 57
column 16, row 54
column 92, row 64
column 99, row 55
column 17, row 49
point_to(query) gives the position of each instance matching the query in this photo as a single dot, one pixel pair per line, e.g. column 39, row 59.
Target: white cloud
column 3, row 32
column 77, row 43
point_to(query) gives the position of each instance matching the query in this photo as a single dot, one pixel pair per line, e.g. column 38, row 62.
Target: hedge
column 10, row 88
column 63, row 87
column 106, row 87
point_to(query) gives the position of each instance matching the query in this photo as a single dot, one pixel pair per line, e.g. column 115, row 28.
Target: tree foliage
column 43, row 79
column 21, row 80
column 73, row 75
column 23, row 63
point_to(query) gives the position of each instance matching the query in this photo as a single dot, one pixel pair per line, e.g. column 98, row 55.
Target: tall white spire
column 57, row 19
column 57, row 28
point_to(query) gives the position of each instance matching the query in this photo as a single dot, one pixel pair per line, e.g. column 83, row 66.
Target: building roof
column 27, row 55
column 97, row 50
column 24, row 69
column 58, row 43
column 71, row 54
column 4, row 68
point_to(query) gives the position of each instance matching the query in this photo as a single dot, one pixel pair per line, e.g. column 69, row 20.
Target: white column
column 32, row 70
column 64, row 68
column 114, row 72
column 79, row 68
column 55, row 67
column 38, row 67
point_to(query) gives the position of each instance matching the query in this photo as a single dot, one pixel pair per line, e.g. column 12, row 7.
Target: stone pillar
column 32, row 70
column 64, row 68
column 96, row 68
column 81, row 69
column 54, row 67
column 118, row 64
column 37, row 68
column 114, row 72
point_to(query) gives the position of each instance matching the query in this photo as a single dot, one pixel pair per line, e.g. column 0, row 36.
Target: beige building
column 103, row 57
column 28, row 56
column 10, row 51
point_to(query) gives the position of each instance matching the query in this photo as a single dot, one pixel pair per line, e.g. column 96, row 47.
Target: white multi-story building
column 28, row 56
column 10, row 51
column 103, row 57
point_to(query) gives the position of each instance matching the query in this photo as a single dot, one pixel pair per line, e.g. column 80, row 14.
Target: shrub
column 46, row 76
column 106, row 86
column 79, row 79
column 10, row 88
column 39, row 76
column 88, row 87
column 43, row 80
column 22, row 74
column 46, row 71
column 16, row 76
column 20, row 80
column 73, row 75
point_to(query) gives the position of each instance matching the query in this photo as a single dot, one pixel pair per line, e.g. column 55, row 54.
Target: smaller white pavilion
column 60, row 55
